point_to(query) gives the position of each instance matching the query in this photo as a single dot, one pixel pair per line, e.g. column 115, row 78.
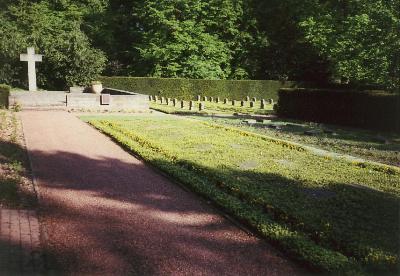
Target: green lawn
column 213, row 108
column 330, row 214
column 359, row 143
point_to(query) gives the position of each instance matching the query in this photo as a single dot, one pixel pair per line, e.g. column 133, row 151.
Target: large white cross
column 31, row 58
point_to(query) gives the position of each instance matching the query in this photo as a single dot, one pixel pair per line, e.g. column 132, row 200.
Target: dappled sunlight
column 121, row 212
column 194, row 219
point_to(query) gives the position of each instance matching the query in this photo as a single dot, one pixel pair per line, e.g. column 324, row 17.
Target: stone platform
column 109, row 100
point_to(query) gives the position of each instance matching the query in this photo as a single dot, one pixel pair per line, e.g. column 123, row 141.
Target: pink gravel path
column 108, row 213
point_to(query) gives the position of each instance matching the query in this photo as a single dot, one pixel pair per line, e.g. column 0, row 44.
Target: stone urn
column 97, row 87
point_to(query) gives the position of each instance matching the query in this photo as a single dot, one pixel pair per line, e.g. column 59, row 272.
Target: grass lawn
column 329, row 214
column 13, row 184
column 213, row 108
column 359, row 143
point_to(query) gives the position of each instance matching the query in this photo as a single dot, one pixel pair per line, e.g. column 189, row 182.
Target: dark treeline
column 355, row 41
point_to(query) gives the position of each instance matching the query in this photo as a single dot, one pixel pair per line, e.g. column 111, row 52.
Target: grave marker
column 262, row 105
column 31, row 58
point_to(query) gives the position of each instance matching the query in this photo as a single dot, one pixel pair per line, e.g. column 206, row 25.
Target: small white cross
column 31, row 58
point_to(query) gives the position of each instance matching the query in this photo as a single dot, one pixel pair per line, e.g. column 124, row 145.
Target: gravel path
column 107, row 213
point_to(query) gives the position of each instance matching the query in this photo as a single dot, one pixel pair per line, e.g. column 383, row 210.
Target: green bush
column 377, row 110
column 4, row 93
column 188, row 89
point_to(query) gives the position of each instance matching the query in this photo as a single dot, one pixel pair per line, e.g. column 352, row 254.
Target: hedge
column 188, row 89
column 376, row 110
column 4, row 93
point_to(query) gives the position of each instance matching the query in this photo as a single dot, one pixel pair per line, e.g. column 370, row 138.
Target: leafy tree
column 53, row 28
column 113, row 28
column 360, row 38
column 289, row 55
column 196, row 38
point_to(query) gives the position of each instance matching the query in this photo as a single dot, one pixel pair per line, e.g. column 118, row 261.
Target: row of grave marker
column 217, row 100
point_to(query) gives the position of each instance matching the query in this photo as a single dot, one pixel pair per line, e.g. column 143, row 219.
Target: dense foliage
column 353, row 41
column 372, row 110
column 360, row 37
column 4, row 92
column 188, row 89
column 54, row 30
column 317, row 216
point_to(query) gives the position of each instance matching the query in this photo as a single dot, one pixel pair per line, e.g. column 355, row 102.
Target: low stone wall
column 116, row 102
column 109, row 100
column 45, row 99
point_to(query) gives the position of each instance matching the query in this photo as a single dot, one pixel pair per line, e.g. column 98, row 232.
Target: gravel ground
column 105, row 212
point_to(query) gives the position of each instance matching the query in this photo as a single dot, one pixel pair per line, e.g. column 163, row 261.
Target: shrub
column 4, row 93
column 188, row 89
column 377, row 110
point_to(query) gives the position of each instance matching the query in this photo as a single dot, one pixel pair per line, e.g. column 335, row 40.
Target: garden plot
column 383, row 148
column 330, row 214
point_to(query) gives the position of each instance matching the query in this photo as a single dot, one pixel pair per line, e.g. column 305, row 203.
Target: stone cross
column 31, row 58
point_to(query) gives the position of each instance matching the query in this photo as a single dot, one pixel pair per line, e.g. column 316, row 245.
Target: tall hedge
column 4, row 93
column 366, row 109
column 188, row 89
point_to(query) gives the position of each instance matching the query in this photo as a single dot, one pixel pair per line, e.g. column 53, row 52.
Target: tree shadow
column 17, row 258
column 13, row 165
column 111, row 216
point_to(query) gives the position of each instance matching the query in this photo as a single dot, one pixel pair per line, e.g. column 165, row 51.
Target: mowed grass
column 212, row 108
column 329, row 214
column 369, row 145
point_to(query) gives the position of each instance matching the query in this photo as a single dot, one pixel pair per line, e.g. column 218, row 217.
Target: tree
column 195, row 39
column 359, row 37
column 289, row 55
column 54, row 30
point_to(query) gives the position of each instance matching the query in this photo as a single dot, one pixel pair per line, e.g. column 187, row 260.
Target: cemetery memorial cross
column 31, row 58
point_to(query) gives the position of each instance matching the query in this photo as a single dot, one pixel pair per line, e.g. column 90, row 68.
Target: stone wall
column 117, row 102
column 45, row 99
column 114, row 100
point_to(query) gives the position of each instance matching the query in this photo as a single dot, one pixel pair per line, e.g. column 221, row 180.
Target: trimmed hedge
column 4, row 93
column 377, row 110
column 188, row 89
